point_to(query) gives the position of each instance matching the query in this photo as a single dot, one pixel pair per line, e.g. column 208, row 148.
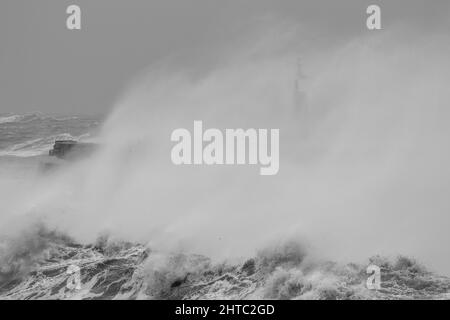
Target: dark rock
column 65, row 148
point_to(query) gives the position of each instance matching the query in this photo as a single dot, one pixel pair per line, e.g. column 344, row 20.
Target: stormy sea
column 36, row 267
column 94, row 208
column 37, row 250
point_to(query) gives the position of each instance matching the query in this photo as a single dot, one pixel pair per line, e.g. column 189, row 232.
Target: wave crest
column 34, row 267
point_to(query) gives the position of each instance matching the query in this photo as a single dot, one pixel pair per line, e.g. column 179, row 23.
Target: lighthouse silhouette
column 300, row 107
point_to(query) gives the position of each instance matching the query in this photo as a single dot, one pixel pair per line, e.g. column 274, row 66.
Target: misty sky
column 45, row 67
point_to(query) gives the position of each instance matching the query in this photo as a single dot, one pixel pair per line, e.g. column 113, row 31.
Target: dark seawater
column 34, row 134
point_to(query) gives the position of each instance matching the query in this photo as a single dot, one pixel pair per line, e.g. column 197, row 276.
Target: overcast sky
column 45, row 67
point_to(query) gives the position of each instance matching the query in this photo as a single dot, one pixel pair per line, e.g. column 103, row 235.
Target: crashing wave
column 38, row 146
column 36, row 267
column 9, row 119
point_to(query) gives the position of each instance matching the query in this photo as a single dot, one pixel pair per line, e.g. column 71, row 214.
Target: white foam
column 9, row 119
column 38, row 146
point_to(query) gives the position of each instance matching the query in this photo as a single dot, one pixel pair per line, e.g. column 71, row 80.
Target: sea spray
column 367, row 177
